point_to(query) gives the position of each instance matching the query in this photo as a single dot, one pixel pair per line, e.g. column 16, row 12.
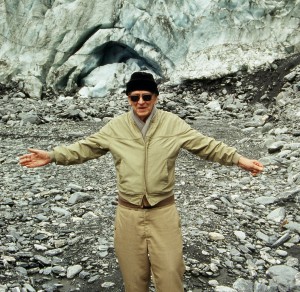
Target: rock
column 282, row 99
column 293, row 226
column 79, row 197
column 74, row 187
column 268, row 258
column 40, row 247
column 3, row 288
column 215, row 236
column 295, row 239
column 72, row 271
column 260, row 287
column 61, row 211
column 297, row 281
column 289, row 195
column 33, row 86
column 96, row 278
column 240, row 235
column 267, row 239
column 54, row 252
column 267, row 127
column 224, row 289
column 284, row 276
column 28, row 287
column 89, row 215
column 277, row 215
column 59, row 270
column 290, row 77
column 292, row 262
column 281, row 240
column 31, row 118
column 84, row 274
column 276, row 146
column 213, row 283
column 21, row 271
column 242, row 285
column 41, row 217
column 214, row 105
column 264, row 200
column 282, row 253
column 43, row 260
column 107, row 284
column 255, row 122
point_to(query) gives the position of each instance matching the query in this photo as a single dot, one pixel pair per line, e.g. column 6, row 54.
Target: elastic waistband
column 168, row 201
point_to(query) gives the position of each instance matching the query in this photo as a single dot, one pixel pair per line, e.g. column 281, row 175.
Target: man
column 145, row 143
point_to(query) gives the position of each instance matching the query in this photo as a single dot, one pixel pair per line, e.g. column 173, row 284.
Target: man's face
column 142, row 107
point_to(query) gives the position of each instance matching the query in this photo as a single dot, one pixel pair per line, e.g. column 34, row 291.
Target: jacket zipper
column 145, row 165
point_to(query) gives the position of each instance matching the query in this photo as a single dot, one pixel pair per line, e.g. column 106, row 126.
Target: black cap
column 141, row 81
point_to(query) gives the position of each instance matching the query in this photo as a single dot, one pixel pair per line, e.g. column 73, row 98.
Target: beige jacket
column 145, row 167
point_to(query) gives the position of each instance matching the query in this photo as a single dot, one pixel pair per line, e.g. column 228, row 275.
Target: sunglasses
column 145, row 97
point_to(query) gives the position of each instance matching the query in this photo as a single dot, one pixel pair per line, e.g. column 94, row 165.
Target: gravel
column 241, row 233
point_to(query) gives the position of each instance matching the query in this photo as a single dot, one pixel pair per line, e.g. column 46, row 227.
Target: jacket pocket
column 160, row 177
column 130, row 178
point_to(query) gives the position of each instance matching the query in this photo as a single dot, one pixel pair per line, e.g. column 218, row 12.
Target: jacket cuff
column 236, row 158
column 52, row 156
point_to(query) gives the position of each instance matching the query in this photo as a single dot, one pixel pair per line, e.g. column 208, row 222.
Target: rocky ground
column 241, row 233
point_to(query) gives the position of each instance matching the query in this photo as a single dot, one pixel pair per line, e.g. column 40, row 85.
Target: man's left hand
column 254, row 166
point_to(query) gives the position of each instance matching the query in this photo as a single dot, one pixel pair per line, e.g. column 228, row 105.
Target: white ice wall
column 60, row 42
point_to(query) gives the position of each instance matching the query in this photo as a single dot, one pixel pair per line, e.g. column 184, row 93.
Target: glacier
column 93, row 46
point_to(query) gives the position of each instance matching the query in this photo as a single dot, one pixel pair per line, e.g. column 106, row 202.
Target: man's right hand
column 35, row 159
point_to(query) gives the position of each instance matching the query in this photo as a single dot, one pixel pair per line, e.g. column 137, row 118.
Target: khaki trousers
column 149, row 241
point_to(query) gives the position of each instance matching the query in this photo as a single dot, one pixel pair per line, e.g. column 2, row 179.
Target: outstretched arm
column 35, row 159
column 254, row 166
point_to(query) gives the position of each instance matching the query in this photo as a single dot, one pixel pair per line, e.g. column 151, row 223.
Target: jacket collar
column 143, row 126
